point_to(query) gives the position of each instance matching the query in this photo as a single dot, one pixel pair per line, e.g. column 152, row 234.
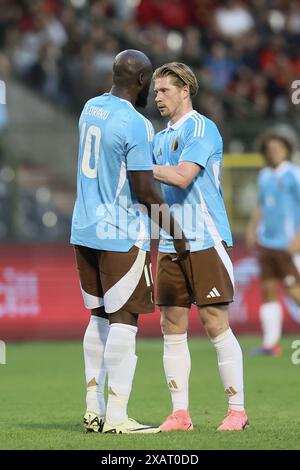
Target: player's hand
column 182, row 249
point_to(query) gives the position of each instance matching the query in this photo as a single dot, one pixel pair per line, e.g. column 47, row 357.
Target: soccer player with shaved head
column 110, row 234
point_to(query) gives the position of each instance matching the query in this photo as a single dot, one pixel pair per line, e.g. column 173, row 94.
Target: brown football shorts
column 278, row 264
column 116, row 280
column 204, row 278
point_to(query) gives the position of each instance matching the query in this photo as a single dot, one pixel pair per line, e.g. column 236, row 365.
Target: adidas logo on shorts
column 213, row 293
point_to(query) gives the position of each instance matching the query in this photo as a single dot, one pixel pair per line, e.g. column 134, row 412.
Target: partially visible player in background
column 110, row 233
column 188, row 156
column 275, row 227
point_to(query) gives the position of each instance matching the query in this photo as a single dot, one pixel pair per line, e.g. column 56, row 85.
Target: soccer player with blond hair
column 188, row 157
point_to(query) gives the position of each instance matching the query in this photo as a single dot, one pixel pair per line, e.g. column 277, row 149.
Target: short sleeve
column 202, row 139
column 139, row 143
column 260, row 186
column 296, row 185
column 156, row 151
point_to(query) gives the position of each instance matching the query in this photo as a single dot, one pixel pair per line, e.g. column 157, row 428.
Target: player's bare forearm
column 180, row 175
column 168, row 175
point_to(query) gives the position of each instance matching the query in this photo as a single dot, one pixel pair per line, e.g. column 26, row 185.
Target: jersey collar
column 121, row 99
column 282, row 168
column 179, row 123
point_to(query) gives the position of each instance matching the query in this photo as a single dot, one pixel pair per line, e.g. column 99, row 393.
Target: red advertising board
column 40, row 296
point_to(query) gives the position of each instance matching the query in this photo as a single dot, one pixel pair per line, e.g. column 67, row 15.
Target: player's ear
column 186, row 90
column 141, row 79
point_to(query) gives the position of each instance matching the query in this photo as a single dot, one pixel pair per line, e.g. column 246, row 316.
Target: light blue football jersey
column 279, row 199
column 114, row 139
column 200, row 208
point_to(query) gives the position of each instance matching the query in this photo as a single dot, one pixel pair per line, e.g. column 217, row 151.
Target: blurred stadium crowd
column 245, row 53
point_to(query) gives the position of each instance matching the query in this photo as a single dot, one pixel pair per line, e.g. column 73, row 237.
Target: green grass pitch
column 42, row 397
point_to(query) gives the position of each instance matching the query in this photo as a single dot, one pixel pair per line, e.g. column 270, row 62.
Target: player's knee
column 171, row 326
column 269, row 296
column 215, row 319
column 213, row 331
column 269, row 291
column 165, row 325
column 99, row 312
column 215, row 326
column 294, row 292
column 122, row 316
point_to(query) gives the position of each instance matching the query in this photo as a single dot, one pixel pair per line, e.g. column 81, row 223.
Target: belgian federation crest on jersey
column 159, row 153
column 175, row 144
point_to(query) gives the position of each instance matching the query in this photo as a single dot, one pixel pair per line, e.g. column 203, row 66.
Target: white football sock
column 120, row 361
column 271, row 320
column 177, row 365
column 230, row 362
column 94, row 342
